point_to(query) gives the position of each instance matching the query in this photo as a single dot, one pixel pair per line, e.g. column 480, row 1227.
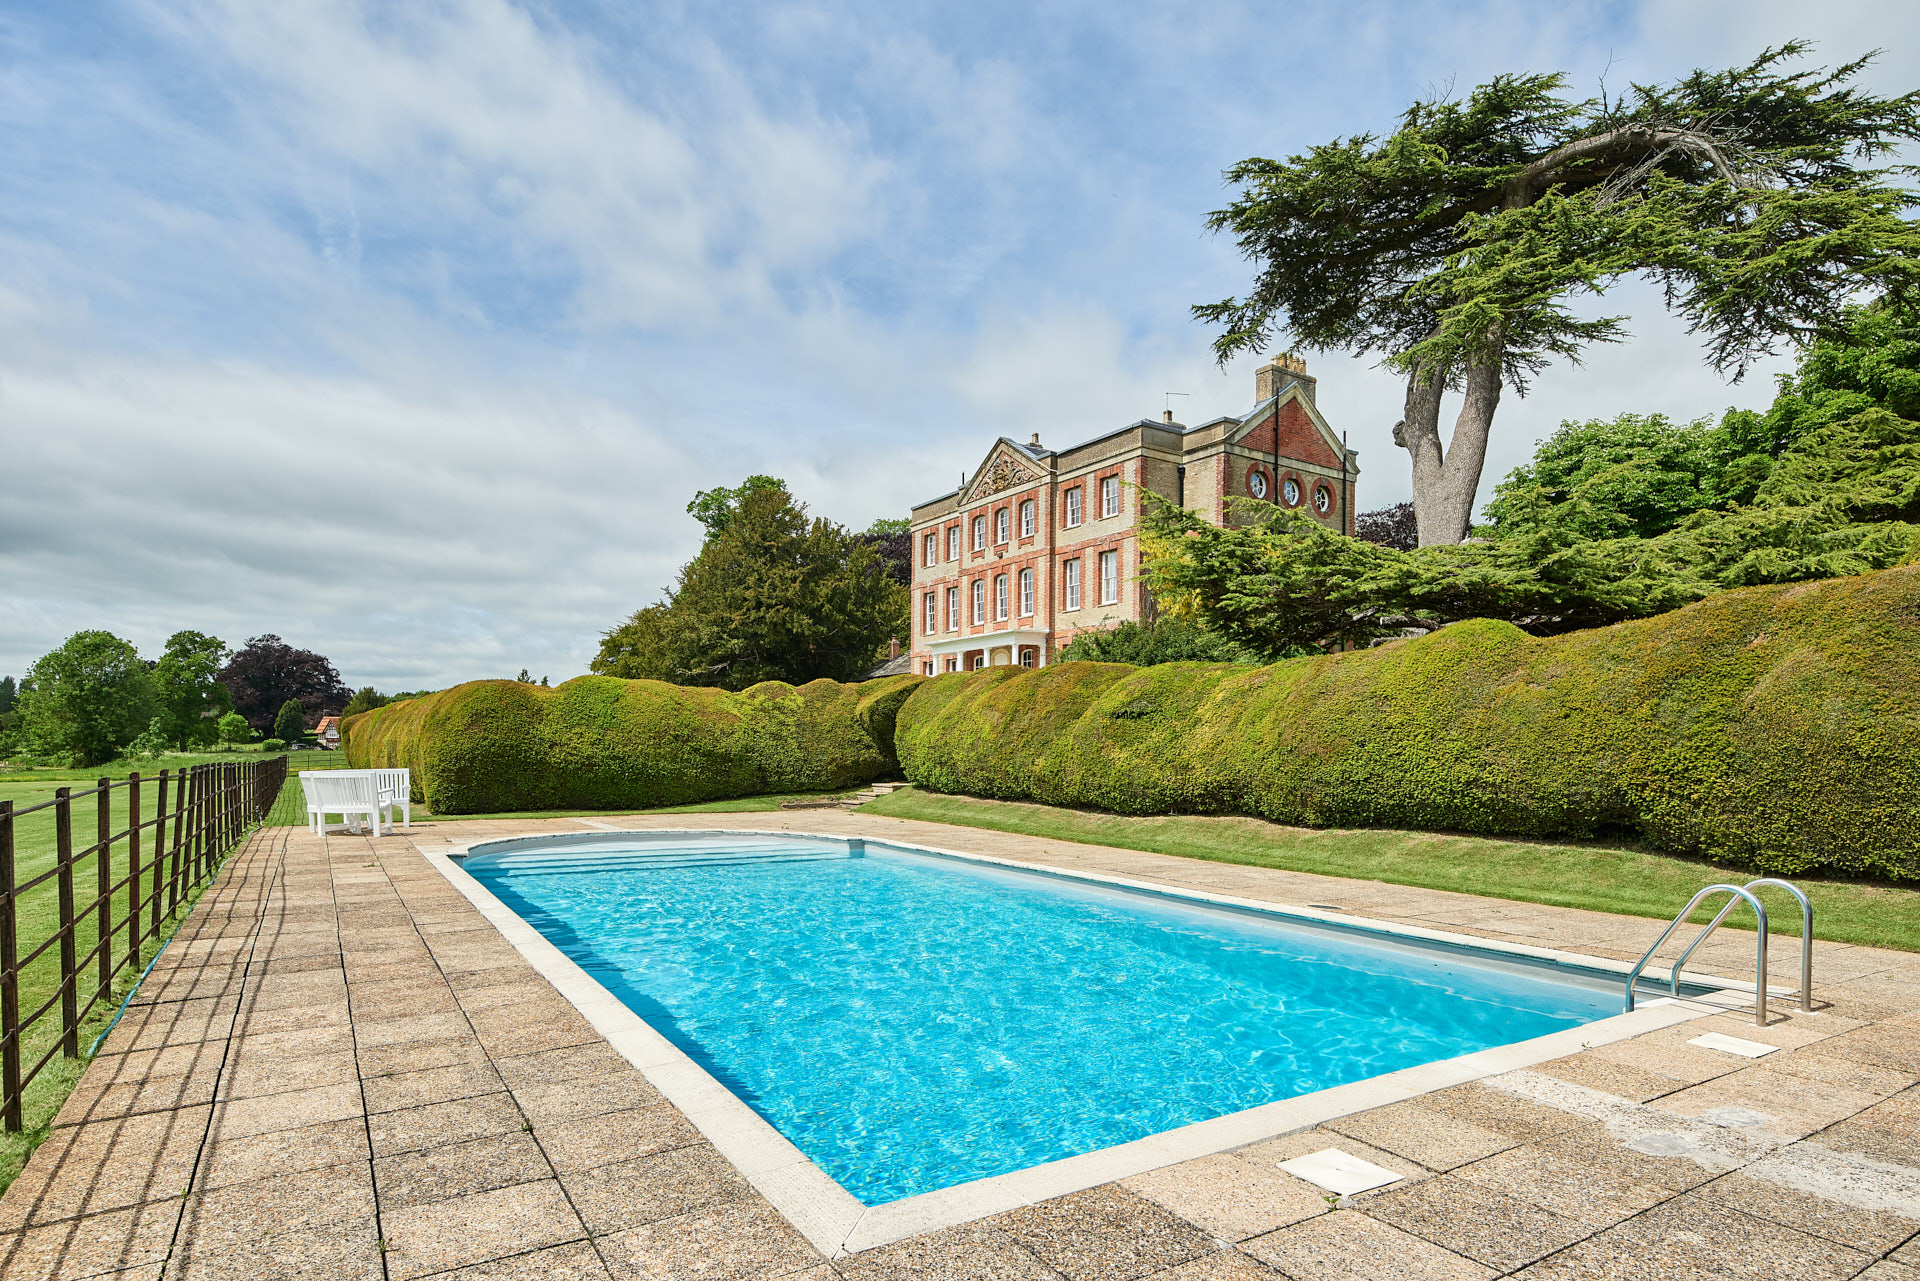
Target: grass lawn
column 1603, row 878
column 738, row 805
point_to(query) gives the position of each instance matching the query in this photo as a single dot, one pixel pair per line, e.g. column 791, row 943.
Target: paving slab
column 339, row 1052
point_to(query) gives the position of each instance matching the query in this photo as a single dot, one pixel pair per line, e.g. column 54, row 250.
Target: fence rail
column 198, row 813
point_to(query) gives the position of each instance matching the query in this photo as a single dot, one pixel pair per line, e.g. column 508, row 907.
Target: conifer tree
column 1456, row 246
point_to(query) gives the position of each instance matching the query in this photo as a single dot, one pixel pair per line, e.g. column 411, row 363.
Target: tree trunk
column 1445, row 482
column 1418, row 432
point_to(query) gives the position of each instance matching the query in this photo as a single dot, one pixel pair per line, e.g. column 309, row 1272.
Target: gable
column 1295, row 435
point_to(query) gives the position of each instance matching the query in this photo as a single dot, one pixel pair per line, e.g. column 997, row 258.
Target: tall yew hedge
column 598, row 742
column 1774, row 726
column 1777, row 727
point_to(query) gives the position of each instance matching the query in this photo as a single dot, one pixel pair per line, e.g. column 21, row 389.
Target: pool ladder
column 1739, row 893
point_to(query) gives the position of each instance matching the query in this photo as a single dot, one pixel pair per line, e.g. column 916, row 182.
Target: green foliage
column 1638, row 476
column 716, row 508
column 1458, row 239
column 774, row 596
column 1164, row 640
column 290, row 723
column 273, row 745
column 234, row 730
column 1612, row 520
column 8, row 693
column 153, row 741
column 86, row 700
column 1776, row 727
column 186, row 680
column 603, row 743
column 365, row 699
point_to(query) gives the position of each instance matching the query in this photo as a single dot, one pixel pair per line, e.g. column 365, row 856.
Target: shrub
column 1777, row 727
column 234, row 730
column 274, row 745
column 599, row 742
column 291, row 722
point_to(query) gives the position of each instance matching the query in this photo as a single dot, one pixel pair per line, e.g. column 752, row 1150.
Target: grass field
column 1602, row 878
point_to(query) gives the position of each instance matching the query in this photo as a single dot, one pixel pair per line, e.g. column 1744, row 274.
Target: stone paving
column 338, row 1069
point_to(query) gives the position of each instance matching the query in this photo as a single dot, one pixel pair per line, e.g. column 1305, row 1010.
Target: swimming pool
column 911, row 1021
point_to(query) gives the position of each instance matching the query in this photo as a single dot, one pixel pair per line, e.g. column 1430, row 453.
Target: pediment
column 1004, row 468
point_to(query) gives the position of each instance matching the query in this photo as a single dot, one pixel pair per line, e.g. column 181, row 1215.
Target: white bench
column 398, row 786
column 348, row 793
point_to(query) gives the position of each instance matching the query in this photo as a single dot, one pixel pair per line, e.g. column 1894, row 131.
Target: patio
column 339, row 1069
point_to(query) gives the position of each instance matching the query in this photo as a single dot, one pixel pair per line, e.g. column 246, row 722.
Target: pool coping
column 838, row 1224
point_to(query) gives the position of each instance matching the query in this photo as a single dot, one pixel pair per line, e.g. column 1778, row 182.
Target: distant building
column 1039, row 545
column 327, row 732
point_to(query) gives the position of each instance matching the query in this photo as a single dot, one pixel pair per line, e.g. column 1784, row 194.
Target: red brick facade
column 1073, row 588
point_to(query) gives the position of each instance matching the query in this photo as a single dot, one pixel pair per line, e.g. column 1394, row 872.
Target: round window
column 1322, row 499
column 1290, row 491
column 1257, row 483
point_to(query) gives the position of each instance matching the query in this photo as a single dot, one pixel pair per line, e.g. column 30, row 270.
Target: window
column 1026, row 593
column 979, row 533
column 1257, row 483
column 933, row 613
column 979, row 601
column 1109, row 497
column 1109, row 578
column 953, row 663
column 929, row 549
column 927, row 667
column 953, row 609
column 1073, row 584
column 1000, row 526
column 1026, row 519
column 1322, row 499
column 1073, row 506
column 1290, row 492
column 1028, row 657
column 1000, row 596
column 953, row 542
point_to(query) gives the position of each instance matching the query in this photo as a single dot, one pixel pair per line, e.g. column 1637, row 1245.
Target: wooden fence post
column 159, row 853
column 133, row 871
column 179, row 836
column 103, row 887
column 9, row 977
column 69, row 995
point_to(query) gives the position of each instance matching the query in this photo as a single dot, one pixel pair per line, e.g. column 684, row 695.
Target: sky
column 406, row 332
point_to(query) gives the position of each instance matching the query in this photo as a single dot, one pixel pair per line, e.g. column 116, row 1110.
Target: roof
column 899, row 666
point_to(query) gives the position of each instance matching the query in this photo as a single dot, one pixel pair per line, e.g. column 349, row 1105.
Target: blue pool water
column 912, row 1022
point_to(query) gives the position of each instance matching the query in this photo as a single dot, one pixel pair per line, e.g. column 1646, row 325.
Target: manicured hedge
column 603, row 743
column 1777, row 727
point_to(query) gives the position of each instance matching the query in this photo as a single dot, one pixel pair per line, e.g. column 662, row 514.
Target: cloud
column 406, row 332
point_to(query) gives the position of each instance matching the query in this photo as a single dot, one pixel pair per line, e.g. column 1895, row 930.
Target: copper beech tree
column 1456, row 246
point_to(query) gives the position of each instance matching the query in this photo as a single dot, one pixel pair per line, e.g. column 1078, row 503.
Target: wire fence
column 155, row 841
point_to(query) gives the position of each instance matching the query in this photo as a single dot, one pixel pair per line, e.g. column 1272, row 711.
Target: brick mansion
column 1039, row 545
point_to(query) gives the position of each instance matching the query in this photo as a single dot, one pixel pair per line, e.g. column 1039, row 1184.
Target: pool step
column 552, row 865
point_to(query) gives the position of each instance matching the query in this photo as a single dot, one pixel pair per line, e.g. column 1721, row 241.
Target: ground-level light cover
column 912, row 1022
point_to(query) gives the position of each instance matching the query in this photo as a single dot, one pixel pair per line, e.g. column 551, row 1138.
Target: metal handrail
column 1806, row 938
column 1760, row 951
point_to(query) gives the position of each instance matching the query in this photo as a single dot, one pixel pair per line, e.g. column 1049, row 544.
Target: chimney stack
column 1272, row 377
column 1169, row 415
column 893, row 647
column 1036, row 440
